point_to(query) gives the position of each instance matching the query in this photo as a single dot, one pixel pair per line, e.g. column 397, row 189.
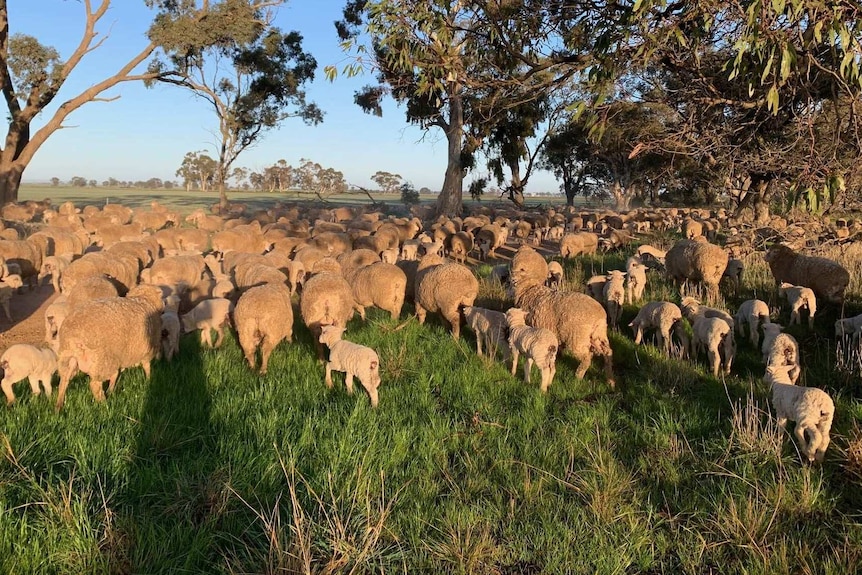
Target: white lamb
column 171, row 329
column 667, row 318
column 849, row 326
column 635, row 279
column 490, row 327
column 555, row 275
column 754, row 312
column 780, row 349
column 799, row 297
column 353, row 359
column 8, row 287
column 22, row 361
column 811, row 408
column 614, row 293
column 538, row 345
column 716, row 337
column 208, row 315
column 55, row 313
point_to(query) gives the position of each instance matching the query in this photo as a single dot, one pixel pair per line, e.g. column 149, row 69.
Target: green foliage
column 409, row 195
column 477, row 188
column 35, row 68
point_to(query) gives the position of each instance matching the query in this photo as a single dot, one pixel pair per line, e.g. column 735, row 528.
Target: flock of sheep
column 131, row 281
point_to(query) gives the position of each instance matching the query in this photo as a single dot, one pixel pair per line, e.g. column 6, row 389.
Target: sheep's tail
column 552, row 355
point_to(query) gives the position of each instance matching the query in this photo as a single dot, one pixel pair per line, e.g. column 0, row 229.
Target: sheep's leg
column 361, row 310
column 34, row 384
column 810, row 319
column 372, row 393
column 46, row 383
column 714, row 360
column 219, row 335
column 804, row 446
column 421, row 312
column 515, row 356
column 454, row 320
column 639, row 334
column 97, row 390
column 147, row 369
column 528, row 367
column 55, row 281
column 266, row 348
column 348, row 381
column 820, row 451
column 584, row 360
column 6, row 385
column 328, row 377
column 206, row 336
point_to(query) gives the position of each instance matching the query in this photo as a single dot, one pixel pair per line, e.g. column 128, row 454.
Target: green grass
column 209, row 468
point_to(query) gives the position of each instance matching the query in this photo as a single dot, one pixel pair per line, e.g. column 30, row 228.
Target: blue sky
column 146, row 132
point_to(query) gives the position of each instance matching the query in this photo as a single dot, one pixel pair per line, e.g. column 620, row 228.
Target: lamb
column 811, row 408
column 539, row 346
column 54, row 266
column 263, row 319
column 826, row 278
column 490, row 327
column 8, row 287
column 780, row 349
column 635, row 279
column 326, row 300
column 648, row 254
column 667, row 318
column 381, row 285
column 691, row 308
column 22, row 361
column 353, row 359
column 733, row 274
column 444, row 287
column 104, row 336
column 716, row 337
column 579, row 322
column 755, row 312
column 849, row 326
column 389, row 256
column 580, row 243
column 614, row 293
column 699, row 261
column 799, row 297
column 596, row 287
column 55, row 314
column 171, row 329
column 208, row 315
column 460, row 245
column 556, row 275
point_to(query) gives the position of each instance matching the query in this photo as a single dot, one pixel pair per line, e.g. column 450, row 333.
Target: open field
column 208, row 468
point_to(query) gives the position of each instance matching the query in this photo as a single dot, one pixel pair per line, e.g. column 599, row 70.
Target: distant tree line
column 82, row 182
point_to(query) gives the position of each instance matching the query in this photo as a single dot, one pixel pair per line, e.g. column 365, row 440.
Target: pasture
column 463, row 469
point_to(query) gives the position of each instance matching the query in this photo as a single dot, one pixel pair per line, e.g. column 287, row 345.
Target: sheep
column 54, row 266
column 170, row 334
column 556, row 275
column 780, row 349
column 667, row 318
column 444, row 287
column 733, row 274
column 828, row 279
column 254, row 274
column 716, row 337
column 381, row 285
column 635, row 279
column 849, row 326
column 176, row 270
column 24, row 253
column 55, row 314
column 580, row 243
column 353, row 359
column 754, row 312
column 614, row 293
column 410, row 250
column 460, row 245
column 124, row 271
column 104, row 336
column 579, row 322
column 649, row 254
column 691, row 228
column 490, row 327
column 8, row 287
column 208, row 315
column 799, row 297
column 27, row 361
column 811, row 408
column 690, row 260
column 691, row 308
column 595, row 287
column 539, row 346
column 263, row 318
column 91, row 288
column 326, row 300
column 389, row 256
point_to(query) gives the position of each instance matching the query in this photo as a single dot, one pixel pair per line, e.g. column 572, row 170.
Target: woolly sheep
column 849, row 326
column 828, row 279
column 556, row 275
column 263, row 318
column 648, row 253
column 326, row 300
column 595, row 287
column 381, row 285
column 91, row 288
column 715, row 336
column 754, row 312
column 811, row 408
column 445, row 288
column 459, row 246
column 104, row 336
column 208, row 315
column 177, row 270
column 55, row 314
column 614, row 293
column 690, row 260
column 490, row 327
column 580, row 243
column 170, row 334
column 733, row 274
column 579, row 322
column 799, row 297
column 122, row 270
column 54, row 266
column 635, row 279
column 353, row 359
column 22, row 361
column 780, row 349
column 667, row 318
column 538, row 345
column 8, row 287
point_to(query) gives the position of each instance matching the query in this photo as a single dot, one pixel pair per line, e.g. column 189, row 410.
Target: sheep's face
column 329, row 334
column 776, row 252
column 777, row 374
column 772, row 328
column 516, row 316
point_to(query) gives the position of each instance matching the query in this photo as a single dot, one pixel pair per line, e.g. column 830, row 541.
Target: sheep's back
column 446, row 285
column 326, row 298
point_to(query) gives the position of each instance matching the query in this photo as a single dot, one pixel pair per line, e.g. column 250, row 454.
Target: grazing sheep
column 54, row 266
column 22, row 361
column 8, row 287
column 754, row 312
column 353, row 359
column 614, row 294
column 650, row 254
column 490, row 327
column 326, row 300
column 263, row 318
column 716, row 337
column 849, row 326
column 55, row 314
column 460, row 245
column 691, row 308
column 733, row 274
column 579, row 322
column 580, row 243
column 208, row 315
column 799, row 297
column 635, row 279
column 171, row 329
column 698, row 261
column 122, row 270
column 811, row 408
column 381, row 285
column 91, row 288
column 667, row 318
column 104, row 336
column 444, row 287
column 596, row 288
column 828, row 279
column 780, row 349
column 555, row 275
column 539, row 346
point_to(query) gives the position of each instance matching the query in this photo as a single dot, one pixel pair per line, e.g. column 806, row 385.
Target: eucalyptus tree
column 198, row 169
column 247, row 70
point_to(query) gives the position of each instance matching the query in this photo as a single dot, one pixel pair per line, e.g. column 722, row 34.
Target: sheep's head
column 329, row 334
column 772, row 328
column 516, row 317
column 777, row 252
column 778, row 374
column 528, row 268
column 152, row 294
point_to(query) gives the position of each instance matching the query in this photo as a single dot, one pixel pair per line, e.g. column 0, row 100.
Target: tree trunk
column 450, row 200
column 10, row 182
column 621, row 198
